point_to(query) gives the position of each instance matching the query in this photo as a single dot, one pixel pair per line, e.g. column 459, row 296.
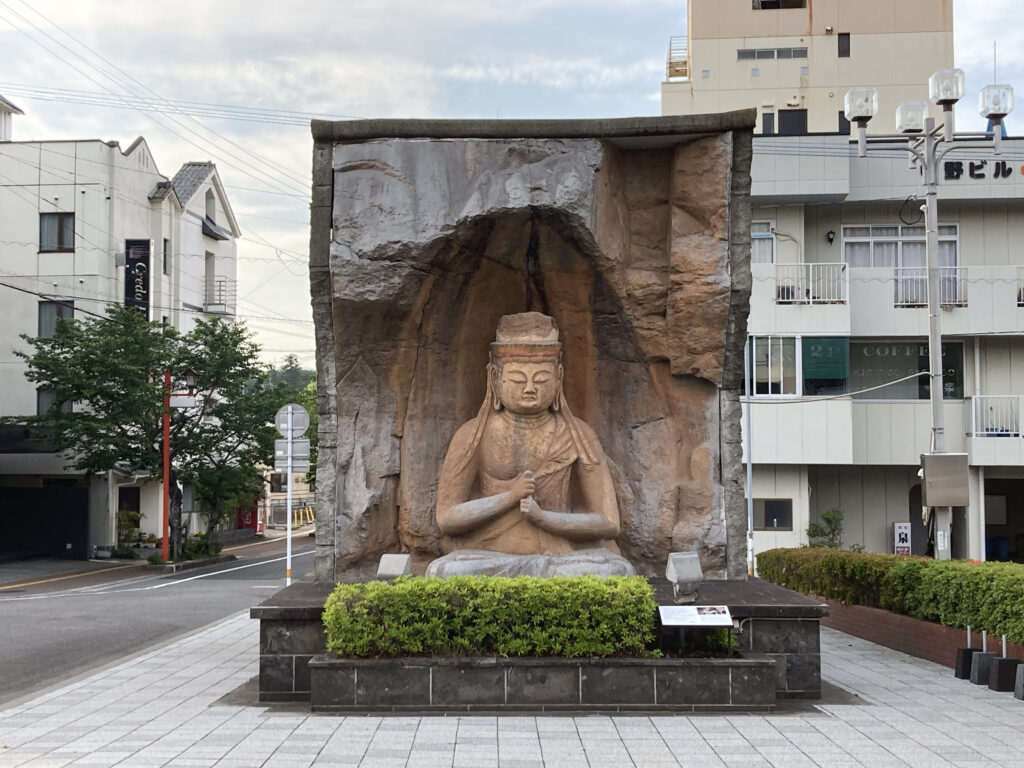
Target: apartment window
column 762, row 241
column 873, row 364
column 799, row 366
column 844, row 124
column 824, row 365
column 805, row 71
column 278, row 482
column 52, row 311
column 746, row 54
column 902, row 248
column 773, row 365
column 167, row 256
column 773, row 514
column 705, row 74
column 792, row 122
column 56, row 232
column 45, row 398
column 767, row 123
column 755, row 72
column 843, row 40
column 211, row 206
column 775, row 5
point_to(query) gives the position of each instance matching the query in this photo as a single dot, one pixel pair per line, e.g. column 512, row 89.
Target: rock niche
column 633, row 234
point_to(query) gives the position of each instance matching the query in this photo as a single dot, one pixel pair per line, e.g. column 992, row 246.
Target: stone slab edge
column 599, row 128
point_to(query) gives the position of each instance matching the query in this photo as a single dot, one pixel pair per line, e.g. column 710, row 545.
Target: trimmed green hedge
column 955, row 593
column 489, row 616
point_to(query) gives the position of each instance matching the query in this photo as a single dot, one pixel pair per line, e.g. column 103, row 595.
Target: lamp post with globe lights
column 927, row 145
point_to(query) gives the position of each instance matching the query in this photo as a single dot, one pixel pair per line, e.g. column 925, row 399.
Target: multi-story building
column 85, row 224
column 838, row 324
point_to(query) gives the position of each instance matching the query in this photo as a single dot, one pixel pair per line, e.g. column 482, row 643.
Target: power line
column 242, row 166
column 181, row 106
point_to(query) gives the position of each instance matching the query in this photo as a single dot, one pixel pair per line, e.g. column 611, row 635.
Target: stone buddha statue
column 525, row 488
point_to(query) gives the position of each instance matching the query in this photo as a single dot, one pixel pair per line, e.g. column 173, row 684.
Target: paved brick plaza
column 165, row 708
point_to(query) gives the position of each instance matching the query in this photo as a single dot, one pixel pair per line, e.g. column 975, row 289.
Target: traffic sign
column 300, row 420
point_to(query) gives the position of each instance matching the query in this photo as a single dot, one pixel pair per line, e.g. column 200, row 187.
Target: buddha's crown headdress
column 526, row 337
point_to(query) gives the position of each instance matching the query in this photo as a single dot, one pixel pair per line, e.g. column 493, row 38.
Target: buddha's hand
column 523, row 486
column 531, row 509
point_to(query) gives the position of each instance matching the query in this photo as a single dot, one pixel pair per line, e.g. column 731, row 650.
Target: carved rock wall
column 640, row 251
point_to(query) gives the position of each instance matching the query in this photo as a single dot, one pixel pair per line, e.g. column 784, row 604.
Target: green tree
column 292, row 375
column 829, row 532
column 112, row 370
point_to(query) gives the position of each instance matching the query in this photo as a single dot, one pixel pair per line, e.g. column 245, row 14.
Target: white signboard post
column 695, row 615
column 292, row 420
column 901, row 538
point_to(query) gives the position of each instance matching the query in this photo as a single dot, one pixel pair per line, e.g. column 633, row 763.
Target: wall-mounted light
column 828, row 29
column 830, row 236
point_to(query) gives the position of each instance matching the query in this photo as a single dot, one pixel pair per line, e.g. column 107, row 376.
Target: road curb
column 189, row 564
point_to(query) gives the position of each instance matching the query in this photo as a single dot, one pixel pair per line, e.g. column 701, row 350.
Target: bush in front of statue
column 561, row 616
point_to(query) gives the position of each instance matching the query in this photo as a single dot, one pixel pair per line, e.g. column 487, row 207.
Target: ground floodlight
column 684, row 571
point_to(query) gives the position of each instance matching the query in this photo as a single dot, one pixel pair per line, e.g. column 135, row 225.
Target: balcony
column 993, row 430
column 221, row 296
column 994, row 416
column 796, row 298
column 811, row 284
column 910, row 287
column 677, row 66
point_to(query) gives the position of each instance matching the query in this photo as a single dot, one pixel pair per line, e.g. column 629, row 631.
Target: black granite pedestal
column 773, row 621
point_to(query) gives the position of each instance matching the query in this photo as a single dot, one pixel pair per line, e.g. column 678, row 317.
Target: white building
column 839, row 288
column 84, row 224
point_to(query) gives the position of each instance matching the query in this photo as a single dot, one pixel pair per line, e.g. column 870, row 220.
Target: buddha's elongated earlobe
column 493, row 387
column 557, row 404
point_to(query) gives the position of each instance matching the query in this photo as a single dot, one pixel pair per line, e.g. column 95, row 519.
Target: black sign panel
column 136, row 275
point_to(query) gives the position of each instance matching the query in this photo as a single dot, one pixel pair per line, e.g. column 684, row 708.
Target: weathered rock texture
column 633, row 234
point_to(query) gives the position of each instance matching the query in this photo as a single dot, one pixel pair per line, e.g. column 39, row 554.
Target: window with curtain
column 52, row 311
column 56, row 232
column 762, row 242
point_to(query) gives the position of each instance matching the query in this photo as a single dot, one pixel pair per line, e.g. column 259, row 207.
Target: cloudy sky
column 70, row 65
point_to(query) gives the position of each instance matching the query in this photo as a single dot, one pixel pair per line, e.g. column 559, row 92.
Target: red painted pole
column 164, row 547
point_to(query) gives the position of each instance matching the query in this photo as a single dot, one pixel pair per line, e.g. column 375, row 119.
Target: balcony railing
column 811, row 283
column 910, row 286
column 994, row 415
column 221, row 295
column 678, row 62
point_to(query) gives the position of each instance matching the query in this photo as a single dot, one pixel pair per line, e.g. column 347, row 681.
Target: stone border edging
column 916, row 637
column 187, row 565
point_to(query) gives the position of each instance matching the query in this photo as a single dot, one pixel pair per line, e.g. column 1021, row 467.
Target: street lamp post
column 927, row 145
column 191, row 382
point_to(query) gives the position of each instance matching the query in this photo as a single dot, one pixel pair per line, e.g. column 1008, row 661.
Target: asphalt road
column 49, row 637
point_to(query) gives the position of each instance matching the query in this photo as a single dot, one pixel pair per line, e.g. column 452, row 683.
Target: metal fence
column 994, row 416
column 811, row 283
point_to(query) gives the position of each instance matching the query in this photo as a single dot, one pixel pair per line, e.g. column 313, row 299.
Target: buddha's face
column 528, row 388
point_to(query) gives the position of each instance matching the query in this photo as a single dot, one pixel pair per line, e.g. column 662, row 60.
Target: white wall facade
column 822, row 203
column 110, row 194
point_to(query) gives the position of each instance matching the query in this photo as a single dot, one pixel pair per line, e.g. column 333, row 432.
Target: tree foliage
column 293, row 376
column 112, row 369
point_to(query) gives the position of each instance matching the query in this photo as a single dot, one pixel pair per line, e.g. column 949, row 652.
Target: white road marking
column 94, row 591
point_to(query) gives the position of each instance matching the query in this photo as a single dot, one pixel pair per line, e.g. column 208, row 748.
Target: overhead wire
column 241, row 166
